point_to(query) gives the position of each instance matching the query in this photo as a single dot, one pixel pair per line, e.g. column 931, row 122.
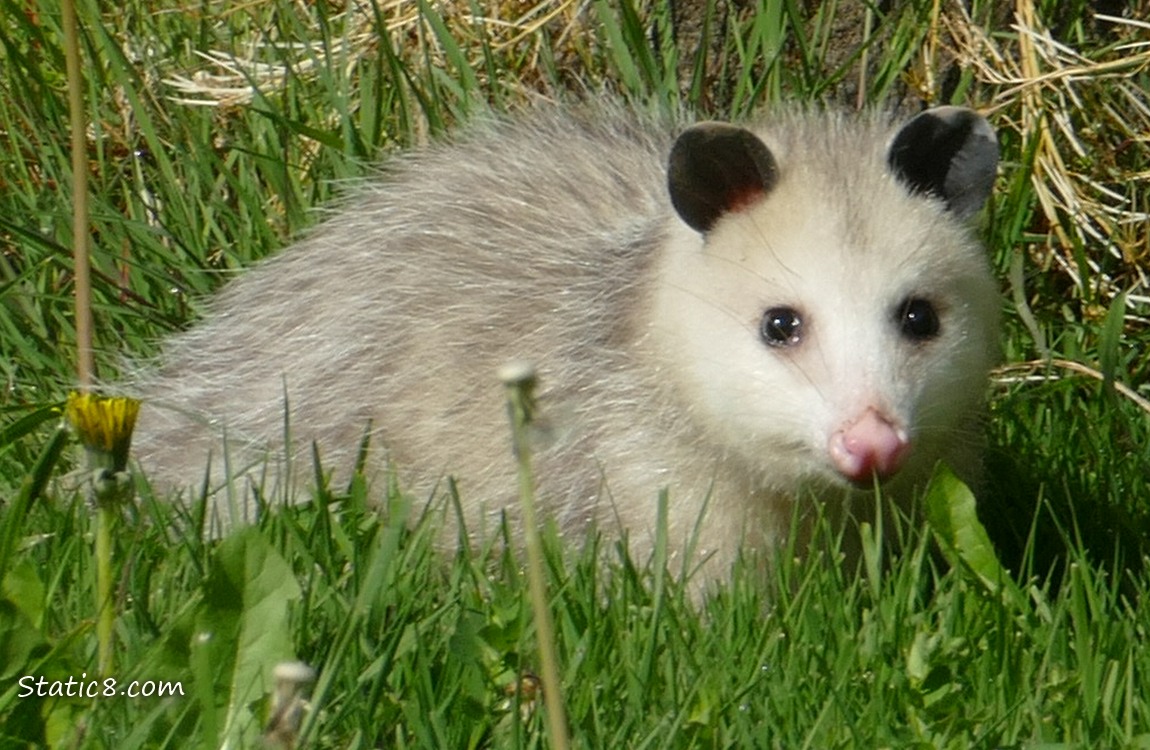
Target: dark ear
column 716, row 168
column 950, row 153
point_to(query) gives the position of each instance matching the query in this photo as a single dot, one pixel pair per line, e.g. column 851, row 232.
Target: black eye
column 917, row 319
column 781, row 326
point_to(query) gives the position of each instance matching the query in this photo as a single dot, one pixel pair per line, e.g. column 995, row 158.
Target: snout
column 868, row 447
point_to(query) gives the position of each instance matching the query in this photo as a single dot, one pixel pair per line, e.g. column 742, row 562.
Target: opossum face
column 821, row 302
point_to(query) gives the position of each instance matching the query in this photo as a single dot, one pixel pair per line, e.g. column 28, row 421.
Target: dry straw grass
column 512, row 28
column 1087, row 120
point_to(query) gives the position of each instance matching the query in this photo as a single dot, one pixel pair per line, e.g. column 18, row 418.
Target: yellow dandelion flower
column 104, row 425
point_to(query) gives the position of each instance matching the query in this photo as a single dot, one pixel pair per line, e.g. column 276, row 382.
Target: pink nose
column 868, row 447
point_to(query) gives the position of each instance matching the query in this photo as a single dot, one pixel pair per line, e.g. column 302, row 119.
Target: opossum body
column 749, row 316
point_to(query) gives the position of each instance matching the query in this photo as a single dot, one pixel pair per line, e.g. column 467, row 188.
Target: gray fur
column 552, row 239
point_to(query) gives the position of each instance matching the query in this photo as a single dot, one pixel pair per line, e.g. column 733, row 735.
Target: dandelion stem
column 105, row 612
column 519, row 380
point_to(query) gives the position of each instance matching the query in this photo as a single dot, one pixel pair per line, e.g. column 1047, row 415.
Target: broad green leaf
column 245, row 622
column 24, row 589
column 953, row 517
column 18, row 640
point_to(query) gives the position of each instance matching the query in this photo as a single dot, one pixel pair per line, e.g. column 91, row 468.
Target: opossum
column 790, row 310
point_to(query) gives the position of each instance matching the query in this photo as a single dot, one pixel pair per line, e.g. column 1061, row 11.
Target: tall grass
column 215, row 132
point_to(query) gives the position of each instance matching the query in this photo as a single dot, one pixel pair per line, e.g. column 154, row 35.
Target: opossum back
column 521, row 238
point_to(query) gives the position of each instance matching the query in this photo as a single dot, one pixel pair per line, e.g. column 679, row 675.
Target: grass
column 416, row 648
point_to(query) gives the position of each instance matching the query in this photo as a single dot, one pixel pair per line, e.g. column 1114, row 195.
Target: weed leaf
column 953, row 517
column 246, row 606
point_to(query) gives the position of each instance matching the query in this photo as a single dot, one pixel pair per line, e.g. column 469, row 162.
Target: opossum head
column 821, row 305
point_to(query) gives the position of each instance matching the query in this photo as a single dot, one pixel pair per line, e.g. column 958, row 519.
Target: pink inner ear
column 742, row 197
